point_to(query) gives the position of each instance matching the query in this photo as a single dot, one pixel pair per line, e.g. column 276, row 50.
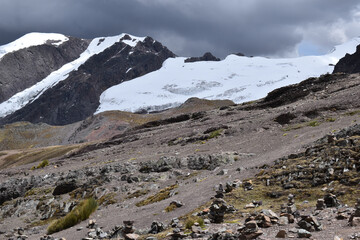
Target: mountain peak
column 33, row 39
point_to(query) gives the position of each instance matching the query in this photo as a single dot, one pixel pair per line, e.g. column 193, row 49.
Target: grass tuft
column 192, row 220
column 78, row 214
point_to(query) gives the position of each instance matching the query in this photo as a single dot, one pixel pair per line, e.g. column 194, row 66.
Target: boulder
column 65, row 186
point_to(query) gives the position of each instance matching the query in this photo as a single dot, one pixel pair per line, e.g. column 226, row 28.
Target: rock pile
column 330, row 200
column 218, row 209
column 177, row 234
column 354, row 219
column 288, row 211
column 309, row 223
column 156, row 227
column 196, row 231
column 250, row 230
column 19, row 234
column 248, row 185
column 266, row 218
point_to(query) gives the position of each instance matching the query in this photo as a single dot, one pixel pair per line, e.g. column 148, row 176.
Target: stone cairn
column 156, row 227
column 218, row 209
column 289, row 210
column 128, row 231
column 219, row 206
column 320, row 204
column 330, row 200
column 219, row 191
column 354, row 219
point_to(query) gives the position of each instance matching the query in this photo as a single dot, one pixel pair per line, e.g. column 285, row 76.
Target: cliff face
column 77, row 97
column 350, row 63
column 25, row 67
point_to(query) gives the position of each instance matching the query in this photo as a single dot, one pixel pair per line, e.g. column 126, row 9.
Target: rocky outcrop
column 77, row 97
column 24, row 68
column 350, row 63
column 206, row 57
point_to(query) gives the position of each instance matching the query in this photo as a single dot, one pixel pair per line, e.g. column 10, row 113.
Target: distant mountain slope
column 55, row 79
column 72, row 93
column 237, row 78
column 31, row 58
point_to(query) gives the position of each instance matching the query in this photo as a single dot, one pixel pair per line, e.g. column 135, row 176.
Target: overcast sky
column 191, row 27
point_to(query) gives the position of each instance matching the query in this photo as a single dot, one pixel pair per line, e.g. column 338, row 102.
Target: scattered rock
column 302, row 233
column 156, row 227
column 309, row 223
column 281, row 234
column 250, row 231
column 248, row 185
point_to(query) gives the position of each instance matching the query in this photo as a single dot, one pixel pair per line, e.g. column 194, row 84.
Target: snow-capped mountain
column 59, row 79
column 71, row 91
column 30, row 94
column 236, row 78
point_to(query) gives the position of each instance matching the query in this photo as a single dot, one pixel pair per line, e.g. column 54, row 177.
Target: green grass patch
column 352, row 113
column 171, row 207
column 192, row 220
column 138, row 193
column 38, row 191
column 313, row 123
column 107, row 199
column 215, row 134
column 161, row 195
column 78, row 214
column 330, row 119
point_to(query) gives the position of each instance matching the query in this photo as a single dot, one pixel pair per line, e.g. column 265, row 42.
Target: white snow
column 96, row 46
column 32, row 39
column 236, row 78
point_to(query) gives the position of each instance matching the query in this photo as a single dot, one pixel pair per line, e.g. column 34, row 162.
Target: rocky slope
column 143, row 172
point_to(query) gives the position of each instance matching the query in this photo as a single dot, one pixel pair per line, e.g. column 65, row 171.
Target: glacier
column 236, row 78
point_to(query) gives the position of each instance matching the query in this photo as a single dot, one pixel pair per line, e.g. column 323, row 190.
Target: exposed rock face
column 350, row 63
column 206, row 57
column 77, row 97
column 24, row 68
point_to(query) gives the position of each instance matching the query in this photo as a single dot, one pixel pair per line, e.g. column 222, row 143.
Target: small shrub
column 170, row 208
column 331, row 119
column 313, row 124
column 191, row 220
column 215, row 134
column 43, row 164
column 78, row 214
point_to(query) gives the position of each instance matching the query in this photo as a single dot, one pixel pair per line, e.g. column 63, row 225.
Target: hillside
column 183, row 154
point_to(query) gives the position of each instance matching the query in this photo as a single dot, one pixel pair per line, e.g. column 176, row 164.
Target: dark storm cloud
column 191, row 27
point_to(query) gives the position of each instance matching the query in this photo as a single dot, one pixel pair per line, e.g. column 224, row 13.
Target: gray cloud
column 188, row 27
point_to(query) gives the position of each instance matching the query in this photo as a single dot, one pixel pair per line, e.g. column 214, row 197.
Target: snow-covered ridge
column 96, row 46
column 32, row 39
column 236, row 78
